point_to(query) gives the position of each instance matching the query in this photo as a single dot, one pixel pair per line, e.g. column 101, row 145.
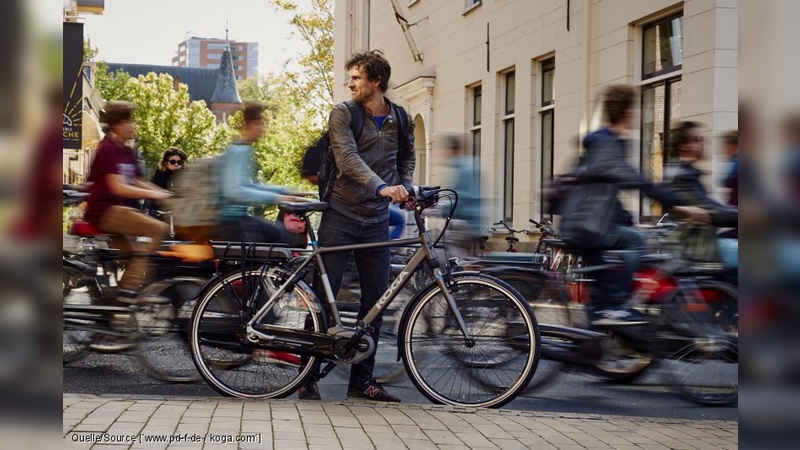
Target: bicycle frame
column 424, row 253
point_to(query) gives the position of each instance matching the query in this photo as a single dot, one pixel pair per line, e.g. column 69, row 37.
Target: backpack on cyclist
column 196, row 204
column 328, row 171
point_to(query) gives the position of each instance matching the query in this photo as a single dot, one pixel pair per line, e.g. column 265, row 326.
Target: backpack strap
column 402, row 118
column 356, row 118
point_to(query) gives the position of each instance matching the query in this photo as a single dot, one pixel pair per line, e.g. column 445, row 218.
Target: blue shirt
column 379, row 121
column 237, row 184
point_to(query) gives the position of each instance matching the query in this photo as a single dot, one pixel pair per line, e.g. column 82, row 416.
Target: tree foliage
column 298, row 100
column 313, row 83
column 165, row 116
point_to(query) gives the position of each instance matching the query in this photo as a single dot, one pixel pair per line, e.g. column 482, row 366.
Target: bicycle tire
column 550, row 306
column 237, row 370
column 444, row 368
column 705, row 370
column 164, row 349
column 723, row 303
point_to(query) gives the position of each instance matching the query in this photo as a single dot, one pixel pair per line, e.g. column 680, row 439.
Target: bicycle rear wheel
column 488, row 372
column 706, row 372
column 234, row 368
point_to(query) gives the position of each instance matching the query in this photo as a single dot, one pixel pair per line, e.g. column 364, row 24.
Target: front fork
column 448, row 286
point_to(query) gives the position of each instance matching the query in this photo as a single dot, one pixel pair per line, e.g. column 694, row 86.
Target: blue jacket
column 238, row 188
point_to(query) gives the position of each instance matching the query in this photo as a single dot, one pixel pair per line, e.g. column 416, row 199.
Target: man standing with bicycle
column 374, row 171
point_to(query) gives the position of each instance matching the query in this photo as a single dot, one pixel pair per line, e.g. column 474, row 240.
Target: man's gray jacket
column 364, row 166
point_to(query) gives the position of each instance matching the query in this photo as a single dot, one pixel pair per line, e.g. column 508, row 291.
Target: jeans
column 373, row 267
column 250, row 229
column 614, row 287
column 729, row 252
column 397, row 220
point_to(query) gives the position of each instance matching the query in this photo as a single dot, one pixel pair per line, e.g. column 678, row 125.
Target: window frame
column 508, row 118
column 546, row 109
column 668, row 78
column 474, row 119
column 650, row 25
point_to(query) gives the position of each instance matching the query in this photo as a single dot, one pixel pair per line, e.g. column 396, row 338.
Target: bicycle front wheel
column 702, row 359
column 492, row 368
column 235, row 368
column 164, row 350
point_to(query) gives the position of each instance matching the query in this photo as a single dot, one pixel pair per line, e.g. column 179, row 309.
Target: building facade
column 523, row 80
column 207, row 53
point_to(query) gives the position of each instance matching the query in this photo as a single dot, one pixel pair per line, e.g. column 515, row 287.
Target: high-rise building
column 207, row 53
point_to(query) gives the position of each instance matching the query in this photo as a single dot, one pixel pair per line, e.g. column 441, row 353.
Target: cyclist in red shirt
column 115, row 179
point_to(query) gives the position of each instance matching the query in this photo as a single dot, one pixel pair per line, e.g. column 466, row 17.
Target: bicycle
column 248, row 341
column 692, row 326
column 156, row 333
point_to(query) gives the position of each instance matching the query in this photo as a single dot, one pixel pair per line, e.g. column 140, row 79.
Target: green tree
column 165, row 116
column 313, row 83
column 298, row 100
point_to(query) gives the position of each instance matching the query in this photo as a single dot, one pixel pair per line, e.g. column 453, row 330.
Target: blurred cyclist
column 601, row 174
column 116, row 180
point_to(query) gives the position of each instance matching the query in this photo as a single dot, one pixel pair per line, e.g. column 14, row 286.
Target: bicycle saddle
column 303, row 208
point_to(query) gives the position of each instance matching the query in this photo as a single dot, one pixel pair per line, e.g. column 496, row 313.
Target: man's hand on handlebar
column 396, row 194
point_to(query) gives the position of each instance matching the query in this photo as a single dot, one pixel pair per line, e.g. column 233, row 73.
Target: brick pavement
column 92, row 421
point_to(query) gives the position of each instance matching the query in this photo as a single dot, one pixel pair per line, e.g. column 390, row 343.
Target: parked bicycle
column 248, row 341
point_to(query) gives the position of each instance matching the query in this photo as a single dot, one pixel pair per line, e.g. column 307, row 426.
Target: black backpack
column 328, row 170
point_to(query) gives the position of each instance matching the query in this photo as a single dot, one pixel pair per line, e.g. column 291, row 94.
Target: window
column 662, row 47
column 214, row 56
column 548, row 85
column 475, row 124
column 471, row 4
column 547, row 118
column 661, row 101
column 509, row 89
column 661, row 110
column 87, row 73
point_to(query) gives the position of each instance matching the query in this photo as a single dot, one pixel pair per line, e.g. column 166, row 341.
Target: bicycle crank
column 345, row 352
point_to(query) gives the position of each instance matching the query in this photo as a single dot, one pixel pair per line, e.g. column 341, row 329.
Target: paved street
column 94, row 421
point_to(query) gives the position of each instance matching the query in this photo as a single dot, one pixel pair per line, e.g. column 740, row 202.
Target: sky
column 149, row 31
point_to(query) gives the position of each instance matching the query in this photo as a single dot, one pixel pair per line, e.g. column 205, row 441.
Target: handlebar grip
column 418, row 191
column 534, row 222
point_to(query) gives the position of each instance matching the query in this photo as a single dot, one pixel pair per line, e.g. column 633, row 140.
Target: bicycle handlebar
column 511, row 230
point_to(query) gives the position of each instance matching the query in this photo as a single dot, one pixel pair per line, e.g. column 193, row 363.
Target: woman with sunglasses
column 172, row 161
